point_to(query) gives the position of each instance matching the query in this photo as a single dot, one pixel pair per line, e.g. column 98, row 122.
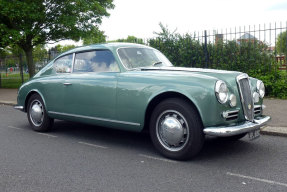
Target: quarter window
column 64, row 64
column 95, row 61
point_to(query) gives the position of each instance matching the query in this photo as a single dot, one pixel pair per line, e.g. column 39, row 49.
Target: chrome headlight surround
column 221, row 91
column 260, row 88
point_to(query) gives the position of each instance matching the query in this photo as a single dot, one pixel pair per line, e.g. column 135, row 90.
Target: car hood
column 219, row 74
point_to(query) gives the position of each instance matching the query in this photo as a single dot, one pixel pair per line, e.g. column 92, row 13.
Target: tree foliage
column 94, row 36
column 130, row 39
column 281, row 44
column 251, row 57
column 28, row 23
column 63, row 48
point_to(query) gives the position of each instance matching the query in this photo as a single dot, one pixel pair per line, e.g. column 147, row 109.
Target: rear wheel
column 176, row 129
column 37, row 114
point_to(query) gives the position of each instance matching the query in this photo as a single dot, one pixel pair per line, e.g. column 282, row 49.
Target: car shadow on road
column 218, row 148
column 111, row 138
column 214, row 148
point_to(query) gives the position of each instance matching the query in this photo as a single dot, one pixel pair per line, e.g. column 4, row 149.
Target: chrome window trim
column 74, row 60
column 117, row 50
column 95, row 118
column 143, row 47
column 60, row 58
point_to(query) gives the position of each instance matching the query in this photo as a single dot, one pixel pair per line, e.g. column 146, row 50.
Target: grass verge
column 12, row 80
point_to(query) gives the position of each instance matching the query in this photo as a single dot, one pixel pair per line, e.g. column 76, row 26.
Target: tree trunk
column 21, row 67
column 29, row 58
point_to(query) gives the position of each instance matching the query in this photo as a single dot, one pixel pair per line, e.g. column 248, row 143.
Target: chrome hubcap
column 172, row 130
column 36, row 113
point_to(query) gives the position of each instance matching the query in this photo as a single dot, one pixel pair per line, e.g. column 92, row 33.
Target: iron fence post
column 205, row 49
column 286, row 48
column 49, row 55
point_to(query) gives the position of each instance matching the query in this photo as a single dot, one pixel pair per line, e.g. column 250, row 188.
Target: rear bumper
column 245, row 127
column 20, row 108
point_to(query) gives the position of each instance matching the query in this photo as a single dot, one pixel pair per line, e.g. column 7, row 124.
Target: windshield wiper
column 157, row 63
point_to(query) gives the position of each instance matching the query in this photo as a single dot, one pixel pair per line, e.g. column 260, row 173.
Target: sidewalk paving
column 8, row 96
column 276, row 108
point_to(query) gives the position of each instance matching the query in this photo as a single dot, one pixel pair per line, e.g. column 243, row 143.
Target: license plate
column 254, row 134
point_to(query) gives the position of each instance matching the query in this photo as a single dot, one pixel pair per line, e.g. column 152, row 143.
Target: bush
column 275, row 83
column 251, row 57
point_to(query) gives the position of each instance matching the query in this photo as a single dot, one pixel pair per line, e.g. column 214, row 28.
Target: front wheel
column 176, row 129
column 37, row 114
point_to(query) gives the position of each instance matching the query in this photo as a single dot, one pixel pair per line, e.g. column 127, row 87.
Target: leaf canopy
column 33, row 22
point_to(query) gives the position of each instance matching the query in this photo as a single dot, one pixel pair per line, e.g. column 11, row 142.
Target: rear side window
column 95, row 61
column 64, row 64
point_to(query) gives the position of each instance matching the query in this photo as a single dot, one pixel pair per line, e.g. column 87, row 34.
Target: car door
column 91, row 87
column 53, row 87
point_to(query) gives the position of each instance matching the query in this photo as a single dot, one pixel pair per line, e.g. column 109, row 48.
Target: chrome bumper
column 20, row 108
column 247, row 126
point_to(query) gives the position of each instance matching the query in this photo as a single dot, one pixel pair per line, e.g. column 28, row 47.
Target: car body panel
column 120, row 99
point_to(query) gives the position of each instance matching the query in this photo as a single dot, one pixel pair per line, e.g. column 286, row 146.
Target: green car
column 135, row 87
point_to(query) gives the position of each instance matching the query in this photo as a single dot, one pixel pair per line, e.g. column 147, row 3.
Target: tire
column 234, row 137
column 176, row 129
column 37, row 115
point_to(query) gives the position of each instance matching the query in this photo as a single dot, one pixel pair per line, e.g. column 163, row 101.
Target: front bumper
column 245, row 127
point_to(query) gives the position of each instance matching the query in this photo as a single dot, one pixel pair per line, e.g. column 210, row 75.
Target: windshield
column 142, row 57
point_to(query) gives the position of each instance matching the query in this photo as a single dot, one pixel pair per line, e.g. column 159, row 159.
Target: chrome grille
column 246, row 96
column 257, row 109
column 230, row 115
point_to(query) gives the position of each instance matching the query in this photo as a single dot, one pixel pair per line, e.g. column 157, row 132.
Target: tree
column 28, row 23
column 130, row 39
column 94, row 36
column 63, row 48
column 281, row 44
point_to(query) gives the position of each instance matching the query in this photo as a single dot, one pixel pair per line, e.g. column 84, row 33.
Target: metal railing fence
column 249, row 49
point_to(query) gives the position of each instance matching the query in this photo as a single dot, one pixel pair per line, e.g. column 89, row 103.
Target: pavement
column 276, row 108
column 79, row 157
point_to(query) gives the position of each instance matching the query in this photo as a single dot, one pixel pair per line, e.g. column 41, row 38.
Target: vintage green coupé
column 135, row 87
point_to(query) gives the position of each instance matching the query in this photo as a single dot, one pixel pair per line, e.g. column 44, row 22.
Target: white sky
column 141, row 18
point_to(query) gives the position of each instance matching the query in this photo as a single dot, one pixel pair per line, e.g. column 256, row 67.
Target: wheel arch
column 34, row 91
column 162, row 96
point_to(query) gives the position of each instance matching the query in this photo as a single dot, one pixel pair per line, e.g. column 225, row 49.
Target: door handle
column 66, row 84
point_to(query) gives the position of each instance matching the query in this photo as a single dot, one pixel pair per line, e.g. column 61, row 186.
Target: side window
column 64, row 64
column 95, row 61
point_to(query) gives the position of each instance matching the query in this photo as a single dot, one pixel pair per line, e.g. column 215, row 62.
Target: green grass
column 13, row 80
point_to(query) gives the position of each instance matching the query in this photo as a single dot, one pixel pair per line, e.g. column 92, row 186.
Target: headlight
column 221, row 91
column 260, row 88
column 232, row 100
column 256, row 97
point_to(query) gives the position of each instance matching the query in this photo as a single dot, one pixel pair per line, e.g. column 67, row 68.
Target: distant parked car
column 135, row 87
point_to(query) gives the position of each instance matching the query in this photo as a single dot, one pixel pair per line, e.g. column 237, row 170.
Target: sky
column 141, row 18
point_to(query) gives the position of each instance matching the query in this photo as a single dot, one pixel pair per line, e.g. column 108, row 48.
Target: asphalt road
column 78, row 157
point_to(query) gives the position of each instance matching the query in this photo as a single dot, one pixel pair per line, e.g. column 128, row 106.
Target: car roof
column 110, row 46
